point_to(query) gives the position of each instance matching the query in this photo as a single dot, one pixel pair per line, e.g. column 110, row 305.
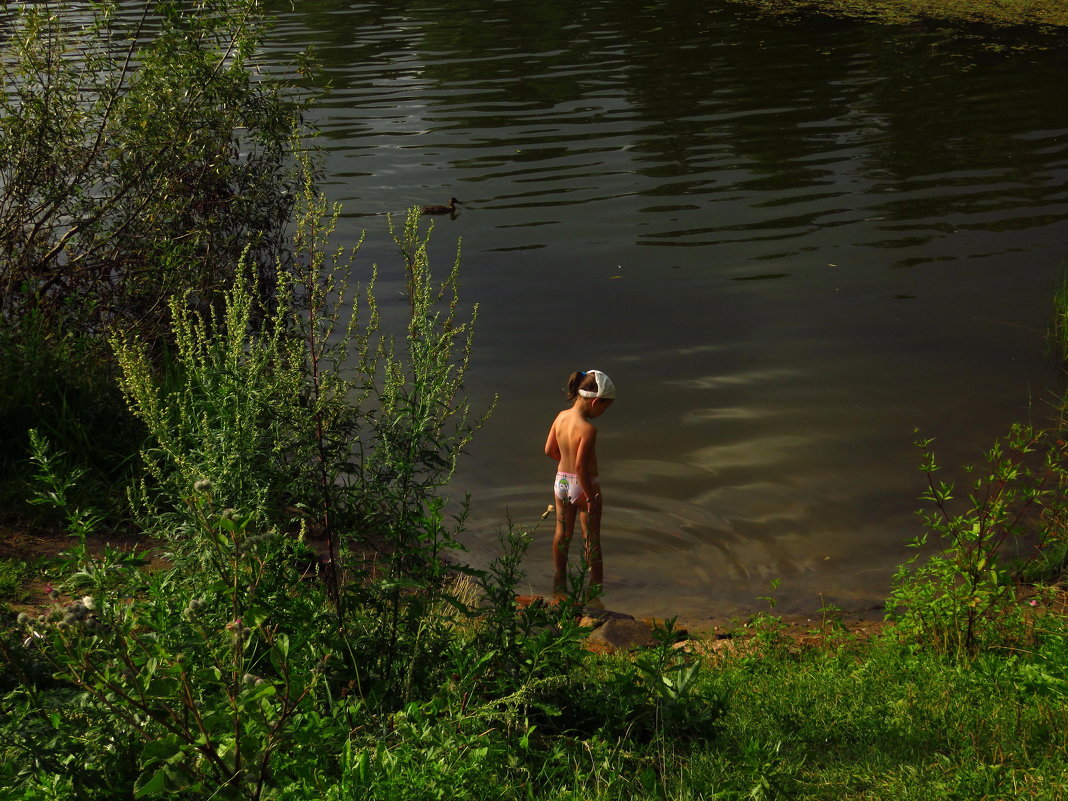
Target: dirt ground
column 38, row 545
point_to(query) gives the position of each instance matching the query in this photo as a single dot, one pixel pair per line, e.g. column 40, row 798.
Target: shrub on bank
column 143, row 151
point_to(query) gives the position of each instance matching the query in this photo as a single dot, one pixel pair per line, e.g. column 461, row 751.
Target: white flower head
column 89, row 603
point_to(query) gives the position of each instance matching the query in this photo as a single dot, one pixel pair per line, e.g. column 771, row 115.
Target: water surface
column 788, row 244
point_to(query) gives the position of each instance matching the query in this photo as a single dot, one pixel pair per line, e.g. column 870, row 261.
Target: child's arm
column 552, row 447
column 584, row 457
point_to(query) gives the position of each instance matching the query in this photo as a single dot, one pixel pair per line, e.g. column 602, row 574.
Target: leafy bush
column 62, row 384
column 143, row 150
column 268, row 426
column 140, row 154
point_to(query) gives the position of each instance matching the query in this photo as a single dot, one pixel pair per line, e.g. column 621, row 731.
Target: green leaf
column 156, row 785
column 363, row 767
column 263, row 691
column 401, row 583
column 162, row 749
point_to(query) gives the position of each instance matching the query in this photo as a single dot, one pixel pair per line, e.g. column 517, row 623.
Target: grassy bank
column 516, row 709
column 1051, row 14
column 881, row 720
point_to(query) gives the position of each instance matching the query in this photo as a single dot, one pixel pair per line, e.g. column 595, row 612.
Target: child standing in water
column 572, row 442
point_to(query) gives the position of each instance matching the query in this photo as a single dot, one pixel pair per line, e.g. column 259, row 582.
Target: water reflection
column 725, row 213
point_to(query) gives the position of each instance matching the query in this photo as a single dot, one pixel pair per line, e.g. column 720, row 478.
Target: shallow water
column 789, row 245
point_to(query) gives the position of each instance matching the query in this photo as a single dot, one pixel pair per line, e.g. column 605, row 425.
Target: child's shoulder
column 572, row 420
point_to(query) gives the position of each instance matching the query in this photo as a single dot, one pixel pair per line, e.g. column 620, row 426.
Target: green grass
column 878, row 720
column 13, row 576
column 856, row 720
column 873, row 721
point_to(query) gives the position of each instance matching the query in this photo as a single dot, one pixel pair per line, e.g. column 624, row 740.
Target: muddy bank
column 1037, row 15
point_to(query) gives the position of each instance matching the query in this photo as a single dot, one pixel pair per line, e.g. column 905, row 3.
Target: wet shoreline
column 1040, row 15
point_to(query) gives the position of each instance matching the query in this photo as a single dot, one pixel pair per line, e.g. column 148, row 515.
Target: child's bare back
column 576, row 441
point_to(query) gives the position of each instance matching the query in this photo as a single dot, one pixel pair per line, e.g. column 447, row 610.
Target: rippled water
column 788, row 244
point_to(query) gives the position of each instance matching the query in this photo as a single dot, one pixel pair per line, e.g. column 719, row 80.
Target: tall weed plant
column 417, row 425
column 224, row 424
column 188, row 687
column 304, row 416
column 964, row 595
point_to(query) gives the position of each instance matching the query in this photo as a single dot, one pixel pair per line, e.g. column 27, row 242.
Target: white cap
column 605, row 387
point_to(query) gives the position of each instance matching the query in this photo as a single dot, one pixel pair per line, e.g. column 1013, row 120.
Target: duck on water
column 450, row 209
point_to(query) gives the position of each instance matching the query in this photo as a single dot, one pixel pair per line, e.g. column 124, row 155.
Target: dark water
column 789, row 245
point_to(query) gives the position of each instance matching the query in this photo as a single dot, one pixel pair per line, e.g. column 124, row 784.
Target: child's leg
column 591, row 533
column 565, row 529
